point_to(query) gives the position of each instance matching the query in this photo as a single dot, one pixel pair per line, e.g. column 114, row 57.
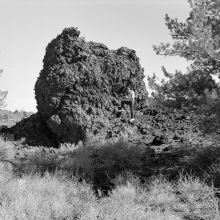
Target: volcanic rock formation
column 78, row 90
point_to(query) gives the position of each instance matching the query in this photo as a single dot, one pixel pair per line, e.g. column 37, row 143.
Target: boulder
column 78, row 90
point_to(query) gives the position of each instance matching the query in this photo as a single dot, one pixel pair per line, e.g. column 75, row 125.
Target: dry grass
column 87, row 161
column 49, row 187
column 196, row 198
column 48, row 197
column 6, row 150
column 59, row 197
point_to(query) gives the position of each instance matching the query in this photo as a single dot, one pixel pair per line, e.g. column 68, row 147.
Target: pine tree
column 181, row 90
column 3, row 95
column 205, row 23
column 197, row 40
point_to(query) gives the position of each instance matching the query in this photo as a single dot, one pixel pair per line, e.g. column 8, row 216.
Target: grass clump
column 116, row 157
column 161, row 194
column 6, row 150
column 79, row 163
column 47, row 197
column 206, row 164
column 205, row 157
column 37, row 162
column 196, row 198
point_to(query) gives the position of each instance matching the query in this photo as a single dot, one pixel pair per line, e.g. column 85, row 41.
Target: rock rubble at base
column 153, row 127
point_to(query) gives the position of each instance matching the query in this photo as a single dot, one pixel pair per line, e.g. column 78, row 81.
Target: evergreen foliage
column 197, row 40
column 180, row 89
column 3, row 95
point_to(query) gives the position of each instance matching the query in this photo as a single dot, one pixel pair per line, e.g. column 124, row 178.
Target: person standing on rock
column 129, row 100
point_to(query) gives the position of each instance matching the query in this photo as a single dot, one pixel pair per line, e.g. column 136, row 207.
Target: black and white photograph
column 109, row 109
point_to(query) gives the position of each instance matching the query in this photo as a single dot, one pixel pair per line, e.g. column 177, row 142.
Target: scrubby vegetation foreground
column 63, row 186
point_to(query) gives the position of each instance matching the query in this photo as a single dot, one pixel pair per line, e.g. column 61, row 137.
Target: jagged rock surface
column 79, row 87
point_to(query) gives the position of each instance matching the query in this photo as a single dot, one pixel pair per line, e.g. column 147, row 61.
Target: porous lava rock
column 79, row 88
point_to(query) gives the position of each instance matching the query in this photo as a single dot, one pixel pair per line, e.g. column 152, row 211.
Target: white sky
column 27, row 26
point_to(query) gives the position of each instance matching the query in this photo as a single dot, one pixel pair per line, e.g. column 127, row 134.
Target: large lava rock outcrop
column 78, row 90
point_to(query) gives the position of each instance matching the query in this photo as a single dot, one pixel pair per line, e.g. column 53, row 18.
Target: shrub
column 182, row 90
column 44, row 198
column 6, row 150
column 39, row 162
column 115, row 157
column 212, row 175
column 204, row 158
column 130, row 200
column 196, row 198
column 79, row 163
column 3, row 95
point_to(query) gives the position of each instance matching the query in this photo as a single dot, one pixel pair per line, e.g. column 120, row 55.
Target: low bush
column 206, row 163
column 161, row 194
column 97, row 162
column 79, row 163
column 196, row 198
column 212, row 175
column 6, row 150
column 44, row 198
column 116, row 157
column 38, row 162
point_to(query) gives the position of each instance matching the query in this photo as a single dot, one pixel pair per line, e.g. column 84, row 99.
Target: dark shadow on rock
column 32, row 131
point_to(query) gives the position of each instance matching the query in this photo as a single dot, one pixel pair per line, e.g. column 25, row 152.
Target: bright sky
column 27, row 26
